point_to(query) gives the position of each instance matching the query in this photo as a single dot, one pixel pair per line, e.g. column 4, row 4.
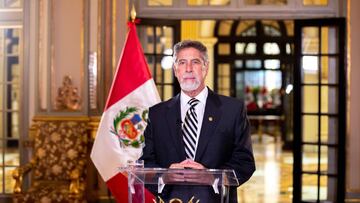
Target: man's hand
column 187, row 163
column 187, row 176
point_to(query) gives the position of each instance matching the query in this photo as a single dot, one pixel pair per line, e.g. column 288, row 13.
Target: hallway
column 272, row 180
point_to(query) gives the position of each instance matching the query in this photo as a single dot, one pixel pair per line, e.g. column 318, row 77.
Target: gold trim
column 99, row 55
column 61, row 118
column 352, row 200
column 113, row 37
column 348, row 58
column 93, row 126
column 353, row 190
column 95, row 118
column 41, row 65
column 52, row 58
column 175, row 200
column 82, row 59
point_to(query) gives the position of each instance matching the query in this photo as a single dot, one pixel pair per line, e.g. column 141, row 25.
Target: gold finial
column 133, row 13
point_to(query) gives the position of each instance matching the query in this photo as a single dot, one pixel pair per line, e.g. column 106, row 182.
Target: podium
column 181, row 185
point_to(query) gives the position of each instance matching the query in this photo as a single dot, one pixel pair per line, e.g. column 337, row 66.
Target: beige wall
column 61, row 50
column 68, row 44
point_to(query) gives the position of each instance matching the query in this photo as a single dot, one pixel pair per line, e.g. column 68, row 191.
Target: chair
column 58, row 164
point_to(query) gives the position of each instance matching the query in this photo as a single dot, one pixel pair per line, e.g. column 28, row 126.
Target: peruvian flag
column 120, row 134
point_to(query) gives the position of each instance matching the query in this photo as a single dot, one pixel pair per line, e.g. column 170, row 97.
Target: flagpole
column 133, row 13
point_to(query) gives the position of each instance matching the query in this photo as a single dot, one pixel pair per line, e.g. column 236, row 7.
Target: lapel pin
column 211, row 118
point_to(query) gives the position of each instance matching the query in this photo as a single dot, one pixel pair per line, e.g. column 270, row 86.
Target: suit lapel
column 173, row 117
column 211, row 119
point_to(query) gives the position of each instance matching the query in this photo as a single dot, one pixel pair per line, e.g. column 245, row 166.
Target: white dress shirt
column 199, row 109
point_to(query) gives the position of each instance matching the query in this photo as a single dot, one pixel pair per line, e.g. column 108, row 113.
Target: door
column 319, row 110
column 157, row 38
column 12, row 92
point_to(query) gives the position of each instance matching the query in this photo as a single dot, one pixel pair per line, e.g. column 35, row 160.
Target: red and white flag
column 120, row 134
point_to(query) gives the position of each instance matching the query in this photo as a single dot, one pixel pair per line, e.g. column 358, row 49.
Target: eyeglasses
column 182, row 63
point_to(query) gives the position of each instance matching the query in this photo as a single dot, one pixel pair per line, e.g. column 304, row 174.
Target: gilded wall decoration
column 68, row 96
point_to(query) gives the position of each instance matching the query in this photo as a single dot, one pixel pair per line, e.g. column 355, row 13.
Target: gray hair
column 191, row 44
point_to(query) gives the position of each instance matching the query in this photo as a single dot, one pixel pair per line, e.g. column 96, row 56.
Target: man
column 197, row 128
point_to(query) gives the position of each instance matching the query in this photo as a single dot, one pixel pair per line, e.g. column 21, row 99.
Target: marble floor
column 272, row 180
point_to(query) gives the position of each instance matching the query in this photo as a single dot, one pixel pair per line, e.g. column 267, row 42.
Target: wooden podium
column 181, row 185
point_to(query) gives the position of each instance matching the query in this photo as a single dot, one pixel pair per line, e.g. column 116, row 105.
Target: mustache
column 188, row 75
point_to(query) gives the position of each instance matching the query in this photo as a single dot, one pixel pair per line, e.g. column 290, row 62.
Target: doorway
column 319, row 110
column 258, row 57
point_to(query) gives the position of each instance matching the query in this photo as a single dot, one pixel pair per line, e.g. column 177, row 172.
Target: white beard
column 190, row 86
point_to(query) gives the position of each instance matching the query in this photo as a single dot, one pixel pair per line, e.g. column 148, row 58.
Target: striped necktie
column 189, row 129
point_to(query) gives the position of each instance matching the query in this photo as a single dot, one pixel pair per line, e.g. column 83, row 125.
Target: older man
column 198, row 128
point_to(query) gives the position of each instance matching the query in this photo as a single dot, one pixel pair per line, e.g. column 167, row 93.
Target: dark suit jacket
column 224, row 141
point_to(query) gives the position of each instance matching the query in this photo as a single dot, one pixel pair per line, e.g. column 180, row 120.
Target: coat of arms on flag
column 129, row 126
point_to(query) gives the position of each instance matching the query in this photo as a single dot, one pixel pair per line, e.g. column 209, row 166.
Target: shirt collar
column 202, row 96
